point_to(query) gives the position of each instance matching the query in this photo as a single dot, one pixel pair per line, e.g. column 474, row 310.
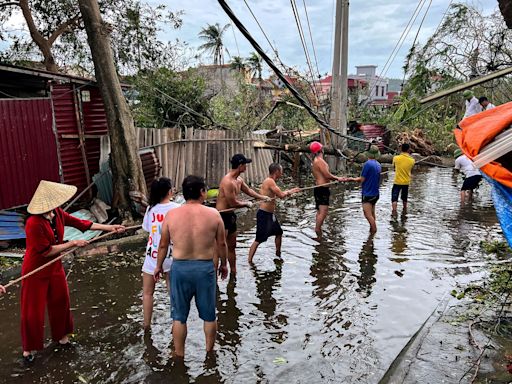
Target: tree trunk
column 126, row 163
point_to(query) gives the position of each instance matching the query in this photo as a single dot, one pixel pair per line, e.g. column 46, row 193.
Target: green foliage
column 213, row 35
column 160, row 93
column 499, row 248
column 133, row 26
column 238, row 111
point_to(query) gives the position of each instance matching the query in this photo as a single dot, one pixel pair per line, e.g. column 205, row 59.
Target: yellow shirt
column 403, row 166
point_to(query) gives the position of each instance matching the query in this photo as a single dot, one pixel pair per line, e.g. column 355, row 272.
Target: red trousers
column 36, row 293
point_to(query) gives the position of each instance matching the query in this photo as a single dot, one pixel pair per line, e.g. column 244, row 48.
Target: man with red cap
column 322, row 192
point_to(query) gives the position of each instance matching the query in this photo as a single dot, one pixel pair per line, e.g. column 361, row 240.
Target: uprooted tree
column 56, row 31
column 126, row 164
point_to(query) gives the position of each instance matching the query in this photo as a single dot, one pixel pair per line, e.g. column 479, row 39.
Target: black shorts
column 322, row 195
column 398, row 190
column 471, row 183
column 370, row 199
column 266, row 226
column 229, row 219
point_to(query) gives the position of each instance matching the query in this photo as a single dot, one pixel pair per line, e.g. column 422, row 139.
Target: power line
column 280, row 75
column 311, row 37
column 399, row 44
column 264, row 33
column 304, row 45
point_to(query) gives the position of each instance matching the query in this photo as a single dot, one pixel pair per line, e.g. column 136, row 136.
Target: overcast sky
column 375, row 27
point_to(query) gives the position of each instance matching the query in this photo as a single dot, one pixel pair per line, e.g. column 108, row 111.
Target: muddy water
column 335, row 311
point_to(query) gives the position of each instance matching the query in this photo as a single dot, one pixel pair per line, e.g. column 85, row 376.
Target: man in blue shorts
column 370, row 179
column 197, row 234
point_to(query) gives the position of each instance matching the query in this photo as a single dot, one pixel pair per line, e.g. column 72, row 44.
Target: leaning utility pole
column 339, row 96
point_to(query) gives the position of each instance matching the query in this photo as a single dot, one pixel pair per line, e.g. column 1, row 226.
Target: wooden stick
column 16, row 281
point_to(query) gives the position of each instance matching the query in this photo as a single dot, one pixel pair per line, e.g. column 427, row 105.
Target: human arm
column 107, row 227
column 2, row 290
column 222, row 248
column 252, row 193
column 323, row 168
column 282, row 194
column 163, row 249
column 230, row 195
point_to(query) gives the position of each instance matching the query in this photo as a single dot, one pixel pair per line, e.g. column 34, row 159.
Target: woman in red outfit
column 48, row 287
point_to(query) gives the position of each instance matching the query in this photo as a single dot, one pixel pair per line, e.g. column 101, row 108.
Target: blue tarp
column 502, row 197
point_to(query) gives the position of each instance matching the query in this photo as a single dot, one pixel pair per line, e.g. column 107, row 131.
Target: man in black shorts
column 322, row 192
column 266, row 221
column 230, row 187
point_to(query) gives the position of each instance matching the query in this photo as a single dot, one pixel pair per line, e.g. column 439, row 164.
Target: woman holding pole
column 48, row 287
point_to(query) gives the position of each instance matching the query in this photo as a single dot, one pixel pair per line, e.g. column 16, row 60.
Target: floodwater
column 334, row 311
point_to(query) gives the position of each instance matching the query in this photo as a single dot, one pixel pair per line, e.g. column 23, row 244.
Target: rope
column 23, row 277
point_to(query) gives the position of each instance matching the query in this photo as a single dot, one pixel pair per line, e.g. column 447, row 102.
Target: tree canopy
column 54, row 30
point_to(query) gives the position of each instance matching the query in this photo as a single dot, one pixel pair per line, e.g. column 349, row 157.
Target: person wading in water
column 159, row 204
column 266, row 222
column 322, row 176
column 230, row 187
column 197, row 235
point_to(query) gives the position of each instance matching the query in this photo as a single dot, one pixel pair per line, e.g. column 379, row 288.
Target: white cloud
column 375, row 28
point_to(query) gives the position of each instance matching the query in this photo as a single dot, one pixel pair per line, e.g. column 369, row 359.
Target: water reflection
column 399, row 234
column 229, row 317
column 367, row 261
column 266, row 283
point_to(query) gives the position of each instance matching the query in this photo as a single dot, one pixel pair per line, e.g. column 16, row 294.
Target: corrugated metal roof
column 28, row 149
column 71, row 233
column 11, row 226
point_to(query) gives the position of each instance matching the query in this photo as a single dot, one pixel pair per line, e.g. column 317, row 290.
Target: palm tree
column 212, row 36
column 237, row 64
column 255, row 64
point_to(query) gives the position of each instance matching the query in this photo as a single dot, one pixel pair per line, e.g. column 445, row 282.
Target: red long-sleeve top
column 41, row 236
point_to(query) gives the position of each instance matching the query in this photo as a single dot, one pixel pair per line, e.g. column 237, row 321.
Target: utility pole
column 339, row 95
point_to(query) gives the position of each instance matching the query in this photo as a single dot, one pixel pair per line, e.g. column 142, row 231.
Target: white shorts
column 150, row 265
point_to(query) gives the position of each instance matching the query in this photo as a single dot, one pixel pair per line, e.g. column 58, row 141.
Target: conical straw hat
column 50, row 195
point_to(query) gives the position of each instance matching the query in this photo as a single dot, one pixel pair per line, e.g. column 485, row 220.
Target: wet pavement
column 335, row 311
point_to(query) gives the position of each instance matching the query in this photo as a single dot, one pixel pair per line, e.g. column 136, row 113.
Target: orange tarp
column 479, row 130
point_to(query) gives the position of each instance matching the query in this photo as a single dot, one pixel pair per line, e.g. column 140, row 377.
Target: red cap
column 315, row 147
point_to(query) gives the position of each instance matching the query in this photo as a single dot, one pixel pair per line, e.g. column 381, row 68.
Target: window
column 382, row 94
column 376, row 90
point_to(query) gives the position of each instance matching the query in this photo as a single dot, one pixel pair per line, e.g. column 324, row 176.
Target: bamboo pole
column 23, row 277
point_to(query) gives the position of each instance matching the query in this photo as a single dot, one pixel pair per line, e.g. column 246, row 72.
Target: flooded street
column 336, row 311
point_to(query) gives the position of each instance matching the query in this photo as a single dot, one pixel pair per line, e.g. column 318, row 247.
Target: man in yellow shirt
column 403, row 166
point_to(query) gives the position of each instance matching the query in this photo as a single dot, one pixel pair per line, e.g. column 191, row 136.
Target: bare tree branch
column 64, row 27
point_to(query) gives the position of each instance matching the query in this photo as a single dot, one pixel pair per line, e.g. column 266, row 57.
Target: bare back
column 193, row 230
column 229, row 189
column 266, row 190
column 321, row 171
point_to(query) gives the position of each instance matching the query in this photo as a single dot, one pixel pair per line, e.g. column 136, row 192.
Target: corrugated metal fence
column 28, row 150
column 204, row 153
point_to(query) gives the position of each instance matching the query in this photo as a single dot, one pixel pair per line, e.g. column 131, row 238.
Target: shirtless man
column 322, row 176
column 266, row 222
column 197, row 235
column 230, row 187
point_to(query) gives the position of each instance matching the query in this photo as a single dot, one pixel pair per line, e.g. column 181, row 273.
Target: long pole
column 335, row 84
column 344, row 72
column 16, row 281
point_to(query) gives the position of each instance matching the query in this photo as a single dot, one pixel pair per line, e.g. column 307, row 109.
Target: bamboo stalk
column 23, row 277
